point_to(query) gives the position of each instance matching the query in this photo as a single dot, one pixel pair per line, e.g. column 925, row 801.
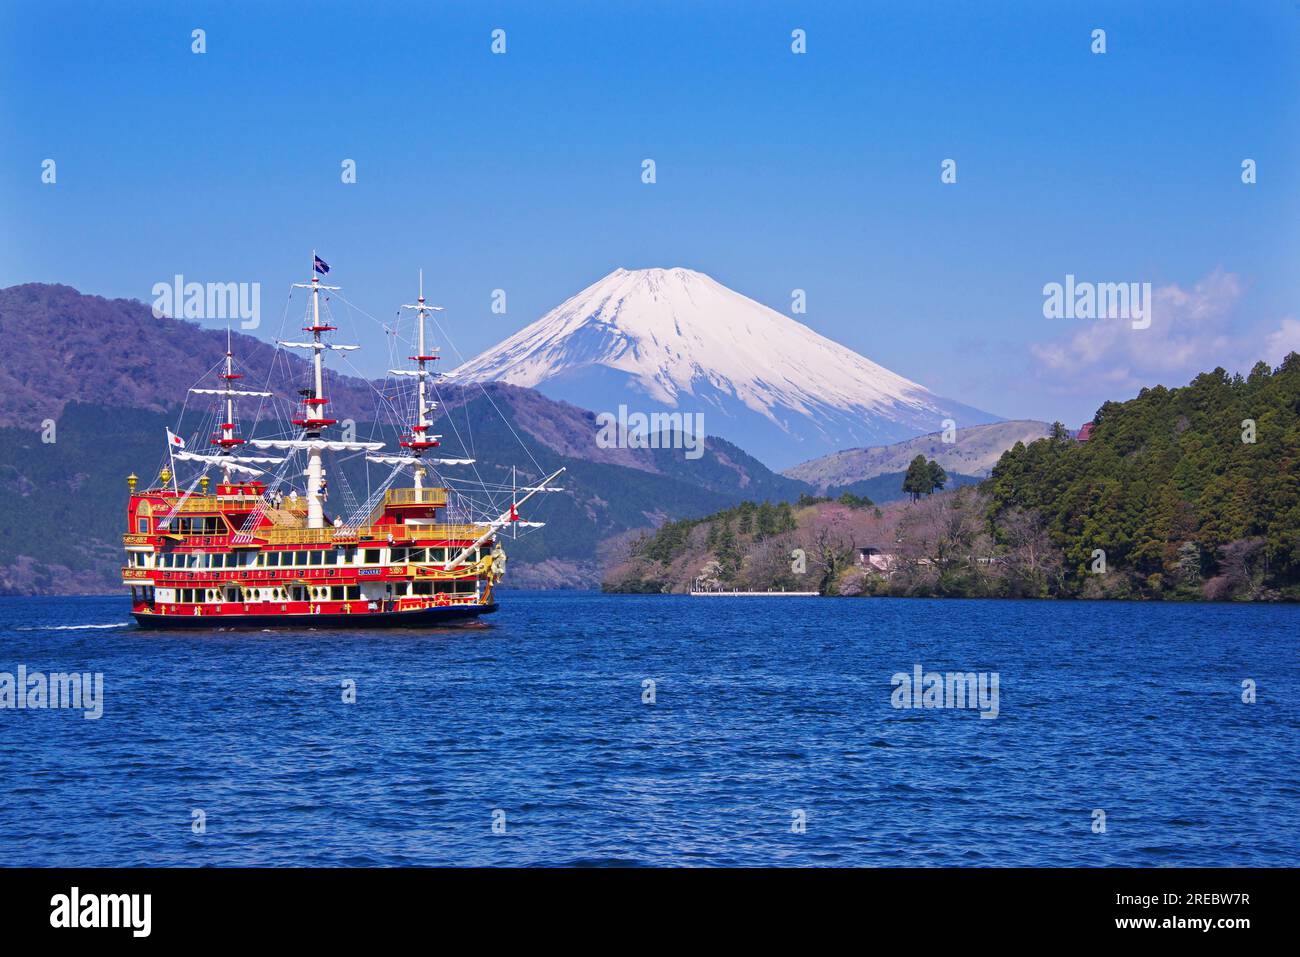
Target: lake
column 772, row 737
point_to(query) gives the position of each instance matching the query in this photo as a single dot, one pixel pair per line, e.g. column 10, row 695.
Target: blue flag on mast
column 320, row 265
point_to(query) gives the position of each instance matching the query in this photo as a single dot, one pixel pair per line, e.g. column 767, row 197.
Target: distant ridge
column 63, row 346
column 976, row 451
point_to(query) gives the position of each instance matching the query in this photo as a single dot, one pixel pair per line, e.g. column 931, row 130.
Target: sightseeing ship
column 250, row 550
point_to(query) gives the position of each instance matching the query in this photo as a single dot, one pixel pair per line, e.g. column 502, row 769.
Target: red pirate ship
column 252, row 549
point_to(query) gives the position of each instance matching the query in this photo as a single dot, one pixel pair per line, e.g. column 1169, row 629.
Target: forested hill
column 1193, row 490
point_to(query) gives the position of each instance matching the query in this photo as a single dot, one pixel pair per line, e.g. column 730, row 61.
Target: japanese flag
column 174, row 440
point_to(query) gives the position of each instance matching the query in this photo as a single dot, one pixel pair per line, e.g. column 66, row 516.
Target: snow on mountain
column 677, row 340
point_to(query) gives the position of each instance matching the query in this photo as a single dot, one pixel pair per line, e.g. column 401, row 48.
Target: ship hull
column 437, row 616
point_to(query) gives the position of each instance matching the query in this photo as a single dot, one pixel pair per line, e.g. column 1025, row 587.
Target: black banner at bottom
column 219, row 906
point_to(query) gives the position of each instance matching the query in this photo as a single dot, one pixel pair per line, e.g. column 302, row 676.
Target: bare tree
column 1033, row 564
column 944, row 545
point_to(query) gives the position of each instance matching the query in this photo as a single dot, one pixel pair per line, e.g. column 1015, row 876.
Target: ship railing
column 416, row 496
column 377, row 533
column 212, row 503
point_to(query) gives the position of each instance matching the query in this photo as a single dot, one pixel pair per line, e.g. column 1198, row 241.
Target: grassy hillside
column 974, row 452
column 886, row 488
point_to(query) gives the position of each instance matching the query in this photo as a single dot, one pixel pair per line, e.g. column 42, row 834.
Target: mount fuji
column 676, row 340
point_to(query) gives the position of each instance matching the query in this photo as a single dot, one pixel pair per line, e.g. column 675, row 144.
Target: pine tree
column 916, row 481
column 938, row 477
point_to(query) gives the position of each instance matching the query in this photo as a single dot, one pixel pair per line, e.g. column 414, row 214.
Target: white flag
column 174, row 440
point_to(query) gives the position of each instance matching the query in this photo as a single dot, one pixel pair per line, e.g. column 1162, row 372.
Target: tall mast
column 228, row 426
column 226, row 440
column 313, row 419
column 420, row 438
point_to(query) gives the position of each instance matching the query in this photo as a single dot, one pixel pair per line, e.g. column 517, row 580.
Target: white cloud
column 1286, row 338
column 1191, row 331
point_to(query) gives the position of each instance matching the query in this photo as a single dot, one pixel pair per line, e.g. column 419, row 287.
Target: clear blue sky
column 775, row 171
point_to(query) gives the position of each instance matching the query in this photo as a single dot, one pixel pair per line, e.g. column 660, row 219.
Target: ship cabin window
column 422, row 588
column 341, row 556
column 419, row 555
column 206, row 525
column 396, row 556
column 317, row 557
column 298, row 593
column 371, row 556
column 142, row 526
column 273, row 559
column 352, row 592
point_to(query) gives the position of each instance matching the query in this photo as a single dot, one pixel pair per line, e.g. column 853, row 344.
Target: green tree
column 916, row 481
column 938, row 477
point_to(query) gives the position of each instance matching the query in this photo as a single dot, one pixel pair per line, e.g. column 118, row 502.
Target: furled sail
column 411, row 460
column 224, row 461
column 318, row 445
column 317, row 346
column 231, row 392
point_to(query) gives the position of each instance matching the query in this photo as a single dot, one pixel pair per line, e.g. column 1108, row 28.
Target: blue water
column 764, row 707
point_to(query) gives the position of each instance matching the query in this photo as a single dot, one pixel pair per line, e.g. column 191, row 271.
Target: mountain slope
column 975, row 452
column 63, row 346
column 675, row 339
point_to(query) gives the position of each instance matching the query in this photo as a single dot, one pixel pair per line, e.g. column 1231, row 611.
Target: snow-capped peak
column 682, row 340
column 673, row 328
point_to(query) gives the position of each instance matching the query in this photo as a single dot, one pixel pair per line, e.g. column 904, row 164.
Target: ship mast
column 313, row 419
column 420, row 439
column 227, row 440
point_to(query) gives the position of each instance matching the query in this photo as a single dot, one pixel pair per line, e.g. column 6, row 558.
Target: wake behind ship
column 255, row 551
